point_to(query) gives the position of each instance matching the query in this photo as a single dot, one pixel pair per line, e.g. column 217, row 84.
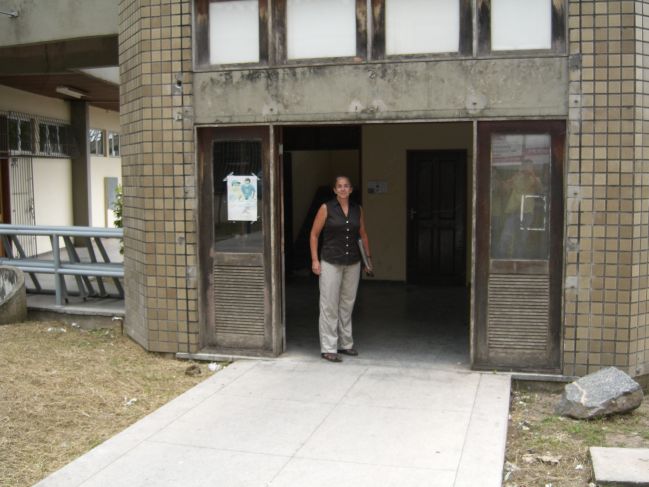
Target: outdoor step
column 620, row 467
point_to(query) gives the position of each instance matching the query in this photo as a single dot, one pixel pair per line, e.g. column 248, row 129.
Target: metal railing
column 81, row 267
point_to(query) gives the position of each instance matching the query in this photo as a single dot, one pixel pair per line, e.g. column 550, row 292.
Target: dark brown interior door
column 436, row 217
column 519, row 245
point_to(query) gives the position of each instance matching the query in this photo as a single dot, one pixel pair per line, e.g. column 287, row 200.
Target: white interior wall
column 102, row 167
column 384, row 153
column 13, row 100
column 52, row 195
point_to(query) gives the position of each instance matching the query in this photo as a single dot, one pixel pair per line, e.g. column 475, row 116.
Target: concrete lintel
column 422, row 90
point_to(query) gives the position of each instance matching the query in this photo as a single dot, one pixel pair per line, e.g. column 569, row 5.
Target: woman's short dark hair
column 342, row 176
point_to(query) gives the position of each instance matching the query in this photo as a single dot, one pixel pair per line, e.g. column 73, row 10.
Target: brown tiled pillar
column 639, row 327
column 158, row 174
column 605, row 293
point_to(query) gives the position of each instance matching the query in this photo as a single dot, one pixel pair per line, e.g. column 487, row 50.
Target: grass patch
column 544, row 449
column 64, row 391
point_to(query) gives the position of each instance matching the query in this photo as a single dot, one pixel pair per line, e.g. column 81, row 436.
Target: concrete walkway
column 310, row 423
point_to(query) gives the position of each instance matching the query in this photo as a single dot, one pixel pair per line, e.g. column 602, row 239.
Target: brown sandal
column 349, row 351
column 331, row 357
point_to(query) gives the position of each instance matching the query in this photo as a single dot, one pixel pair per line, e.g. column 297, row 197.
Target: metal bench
column 74, row 266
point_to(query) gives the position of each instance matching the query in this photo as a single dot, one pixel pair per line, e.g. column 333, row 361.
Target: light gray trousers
column 338, row 286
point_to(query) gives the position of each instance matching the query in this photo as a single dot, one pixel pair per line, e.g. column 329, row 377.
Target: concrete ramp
column 286, row 423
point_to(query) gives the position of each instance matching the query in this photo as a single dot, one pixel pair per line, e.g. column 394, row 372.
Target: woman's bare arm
column 318, row 225
column 366, row 241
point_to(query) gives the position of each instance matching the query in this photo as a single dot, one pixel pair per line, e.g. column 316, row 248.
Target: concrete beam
column 41, row 21
column 422, row 90
column 59, row 57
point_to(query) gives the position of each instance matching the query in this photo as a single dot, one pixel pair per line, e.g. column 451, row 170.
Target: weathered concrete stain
column 529, row 87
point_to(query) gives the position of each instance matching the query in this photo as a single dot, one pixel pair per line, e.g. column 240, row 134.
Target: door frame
column 410, row 194
column 557, row 130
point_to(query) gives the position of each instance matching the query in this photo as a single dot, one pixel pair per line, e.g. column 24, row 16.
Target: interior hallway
column 393, row 323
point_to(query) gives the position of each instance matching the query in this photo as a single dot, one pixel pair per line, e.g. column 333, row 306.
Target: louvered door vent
column 239, row 300
column 519, row 317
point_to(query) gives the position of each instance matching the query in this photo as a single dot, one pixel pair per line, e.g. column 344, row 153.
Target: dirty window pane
column 320, row 28
column 520, row 196
column 113, row 144
column 26, row 136
column 422, row 26
column 96, row 140
column 234, row 32
column 243, row 159
column 14, row 134
column 517, row 24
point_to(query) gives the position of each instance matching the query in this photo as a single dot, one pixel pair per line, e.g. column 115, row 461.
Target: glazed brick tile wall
column 158, row 174
column 639, row 330
column 606, row 229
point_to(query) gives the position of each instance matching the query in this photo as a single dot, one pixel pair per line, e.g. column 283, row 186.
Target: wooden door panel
column 234, row 250
column 519, row 231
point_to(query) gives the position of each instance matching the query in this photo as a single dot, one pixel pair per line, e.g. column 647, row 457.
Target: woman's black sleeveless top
column 340, row 234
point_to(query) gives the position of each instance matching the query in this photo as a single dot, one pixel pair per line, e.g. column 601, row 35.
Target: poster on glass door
column 242, row 198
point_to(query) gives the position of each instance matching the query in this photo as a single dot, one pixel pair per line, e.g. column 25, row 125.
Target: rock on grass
column 608, row 391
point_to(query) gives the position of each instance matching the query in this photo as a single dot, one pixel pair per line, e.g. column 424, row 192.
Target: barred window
column 20, row 134
column 51, row 138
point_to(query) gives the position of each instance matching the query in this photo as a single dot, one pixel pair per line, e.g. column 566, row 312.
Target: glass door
column 519, row 245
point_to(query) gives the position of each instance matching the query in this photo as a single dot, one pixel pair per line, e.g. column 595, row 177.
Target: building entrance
column 413, row 185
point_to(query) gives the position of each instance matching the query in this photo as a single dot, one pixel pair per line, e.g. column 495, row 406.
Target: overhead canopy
column 70, row 64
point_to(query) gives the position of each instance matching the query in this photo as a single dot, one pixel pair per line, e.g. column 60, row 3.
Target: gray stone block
column 608, row 391
column 616, row 467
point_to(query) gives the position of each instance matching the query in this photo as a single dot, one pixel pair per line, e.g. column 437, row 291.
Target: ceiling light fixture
column 74, row 93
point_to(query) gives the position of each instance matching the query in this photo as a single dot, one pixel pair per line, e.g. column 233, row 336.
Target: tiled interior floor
column 393, row 323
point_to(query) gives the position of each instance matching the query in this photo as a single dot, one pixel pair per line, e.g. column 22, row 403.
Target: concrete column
column 80, row 124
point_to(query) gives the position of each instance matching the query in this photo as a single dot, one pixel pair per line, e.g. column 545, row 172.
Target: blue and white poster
column 242, row 198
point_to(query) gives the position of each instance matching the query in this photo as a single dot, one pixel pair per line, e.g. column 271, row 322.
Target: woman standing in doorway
column 341, row 221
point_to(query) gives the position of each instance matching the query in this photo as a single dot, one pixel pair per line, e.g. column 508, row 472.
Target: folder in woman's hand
column 367, row 262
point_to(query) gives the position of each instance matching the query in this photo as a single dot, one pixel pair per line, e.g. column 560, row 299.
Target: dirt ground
column 552, row 451
column 64, row 390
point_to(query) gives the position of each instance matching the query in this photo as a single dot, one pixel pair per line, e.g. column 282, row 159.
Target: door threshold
column 219, row 355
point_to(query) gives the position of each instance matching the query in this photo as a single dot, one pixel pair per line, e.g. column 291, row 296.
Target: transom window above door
column 320, row 28
column 421, row 26
column 517, row 25
column 521, row 25
column 234, row 32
